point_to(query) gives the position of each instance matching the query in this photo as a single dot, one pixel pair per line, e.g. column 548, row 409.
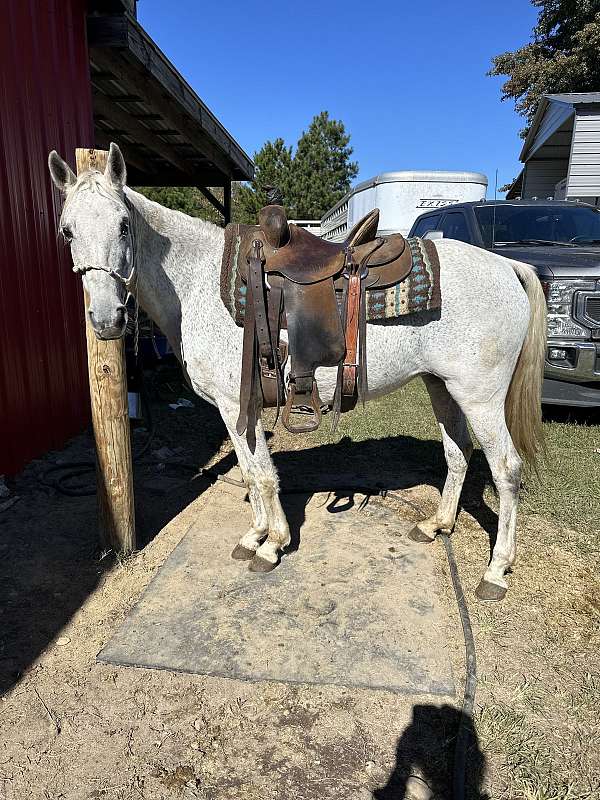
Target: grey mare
column 481, row 360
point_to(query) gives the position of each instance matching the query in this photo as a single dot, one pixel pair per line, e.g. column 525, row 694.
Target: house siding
column 584, row 166
column 542, row 176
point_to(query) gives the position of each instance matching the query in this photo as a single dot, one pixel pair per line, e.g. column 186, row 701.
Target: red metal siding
column 45, row 104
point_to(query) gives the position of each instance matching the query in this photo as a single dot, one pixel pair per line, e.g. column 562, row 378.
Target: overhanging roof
column 168, row 135
column 564, row 107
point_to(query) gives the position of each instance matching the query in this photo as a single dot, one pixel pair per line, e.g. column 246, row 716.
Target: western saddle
column 296, row 280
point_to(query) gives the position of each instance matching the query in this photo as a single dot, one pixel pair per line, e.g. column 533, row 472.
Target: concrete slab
column 356, row 605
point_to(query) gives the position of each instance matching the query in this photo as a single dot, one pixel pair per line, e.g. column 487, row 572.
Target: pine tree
column 185, row 198
column 563, row 56
column 321, row 169
column 272, row 165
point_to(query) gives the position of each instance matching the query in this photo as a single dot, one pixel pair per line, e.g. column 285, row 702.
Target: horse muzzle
column 111, row 327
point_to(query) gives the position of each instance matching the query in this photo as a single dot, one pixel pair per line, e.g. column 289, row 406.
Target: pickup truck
column 561, row 240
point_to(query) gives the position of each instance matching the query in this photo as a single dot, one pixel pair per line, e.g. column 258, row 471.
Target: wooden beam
column 227, row 203
column 124, row 34
column 130, row 154
column 173, row 111
column 135, row 130
column 110, row 419
column 212, row 199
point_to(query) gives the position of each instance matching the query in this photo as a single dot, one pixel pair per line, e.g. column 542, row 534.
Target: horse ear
column 61, row 173
column 116, row 171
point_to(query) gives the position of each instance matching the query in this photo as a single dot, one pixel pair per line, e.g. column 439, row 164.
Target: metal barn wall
column 45, row 102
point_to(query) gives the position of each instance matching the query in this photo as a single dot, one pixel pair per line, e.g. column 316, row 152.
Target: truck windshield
column 539, row 224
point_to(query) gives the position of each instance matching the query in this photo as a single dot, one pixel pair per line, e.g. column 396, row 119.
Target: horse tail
column 523, row 408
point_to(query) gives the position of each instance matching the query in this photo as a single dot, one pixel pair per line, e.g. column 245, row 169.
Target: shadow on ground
column 50, row 561
column 347, row 468
column 425, row 757
column 49, row 558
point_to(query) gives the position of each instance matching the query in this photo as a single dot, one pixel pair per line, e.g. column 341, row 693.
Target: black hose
column 466, row 721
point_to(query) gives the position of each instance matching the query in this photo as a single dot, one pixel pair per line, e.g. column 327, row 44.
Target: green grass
column 568, row 489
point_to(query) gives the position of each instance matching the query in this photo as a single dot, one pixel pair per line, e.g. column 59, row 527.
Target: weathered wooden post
column 110, row 418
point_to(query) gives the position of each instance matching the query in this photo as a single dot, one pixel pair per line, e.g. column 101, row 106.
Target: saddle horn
column 273, row 222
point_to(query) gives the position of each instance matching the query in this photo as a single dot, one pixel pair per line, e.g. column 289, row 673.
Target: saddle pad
column 419, row 291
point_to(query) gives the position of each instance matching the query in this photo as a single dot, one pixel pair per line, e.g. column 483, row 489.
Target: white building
column 561, row 153
column 401, row 197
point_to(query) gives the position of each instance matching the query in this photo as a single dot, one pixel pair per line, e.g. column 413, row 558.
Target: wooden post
column 110, row 418
column 227, row 202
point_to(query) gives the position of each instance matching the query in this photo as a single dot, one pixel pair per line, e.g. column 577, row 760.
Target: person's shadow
column 425, row 758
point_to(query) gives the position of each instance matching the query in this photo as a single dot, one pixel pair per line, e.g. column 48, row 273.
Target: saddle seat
column 302, row 257
column 294, row 279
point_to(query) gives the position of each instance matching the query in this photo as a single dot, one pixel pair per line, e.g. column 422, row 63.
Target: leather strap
column 336, row 409
column 256, row 282
column 248, row 388
column 351, row 332
column 362, row 386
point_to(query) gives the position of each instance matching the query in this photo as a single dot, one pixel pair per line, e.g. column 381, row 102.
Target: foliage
column 562, row 56
column 312, row 179
column 322, row 169
column 272, row 167
column 185, row 198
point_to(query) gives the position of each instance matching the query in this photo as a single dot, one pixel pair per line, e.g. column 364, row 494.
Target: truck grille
column 591, row 309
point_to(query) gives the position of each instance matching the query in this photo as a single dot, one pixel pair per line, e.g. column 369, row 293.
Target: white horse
column 481, row 358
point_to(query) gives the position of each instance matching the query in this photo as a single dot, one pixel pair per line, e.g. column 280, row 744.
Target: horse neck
column 178, row 259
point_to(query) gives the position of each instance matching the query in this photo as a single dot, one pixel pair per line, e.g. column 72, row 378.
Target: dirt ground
column 72, row 728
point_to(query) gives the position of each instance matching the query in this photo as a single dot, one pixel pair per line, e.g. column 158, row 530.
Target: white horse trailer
column 401, row 197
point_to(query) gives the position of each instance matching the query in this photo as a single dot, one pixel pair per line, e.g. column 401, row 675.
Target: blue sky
column 407, row 78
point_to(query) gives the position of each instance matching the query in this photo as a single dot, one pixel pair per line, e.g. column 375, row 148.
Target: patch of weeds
column 531, row 768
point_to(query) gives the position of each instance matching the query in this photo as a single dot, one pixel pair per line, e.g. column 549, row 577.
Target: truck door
column 454, row 226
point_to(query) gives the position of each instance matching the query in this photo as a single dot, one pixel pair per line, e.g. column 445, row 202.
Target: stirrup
column 312, row 401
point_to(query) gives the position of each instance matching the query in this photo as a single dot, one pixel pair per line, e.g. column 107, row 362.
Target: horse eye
column 124, row 228
column 67, row 234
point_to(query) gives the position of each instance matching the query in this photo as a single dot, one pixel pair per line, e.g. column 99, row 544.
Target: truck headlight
column 559, row 297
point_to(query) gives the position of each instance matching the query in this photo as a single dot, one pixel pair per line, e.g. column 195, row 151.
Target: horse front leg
column 261, row 478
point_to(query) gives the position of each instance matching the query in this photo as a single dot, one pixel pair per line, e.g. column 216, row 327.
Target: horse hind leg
column 489, row 426
column 457, row 450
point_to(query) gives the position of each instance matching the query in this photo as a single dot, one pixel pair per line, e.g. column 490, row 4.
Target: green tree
column 272, row 166
column 321, row 169
column 311, row 180
column 562, row 56
column 185, row 198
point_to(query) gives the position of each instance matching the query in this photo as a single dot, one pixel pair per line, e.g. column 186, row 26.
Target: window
column 455, row 226
column 534, row 224
column 426, row 224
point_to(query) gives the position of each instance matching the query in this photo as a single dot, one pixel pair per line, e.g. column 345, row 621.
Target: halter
column 130, row 282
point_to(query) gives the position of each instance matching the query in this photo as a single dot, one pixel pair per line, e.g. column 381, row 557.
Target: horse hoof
column 241, row 553
column 490, row 591
column 417, row 535
column 259, row 564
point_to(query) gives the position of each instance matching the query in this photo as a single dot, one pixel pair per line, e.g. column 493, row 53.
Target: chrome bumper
column 587, row 362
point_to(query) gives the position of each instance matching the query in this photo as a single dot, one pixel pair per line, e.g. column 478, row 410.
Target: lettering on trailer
column 434, row 203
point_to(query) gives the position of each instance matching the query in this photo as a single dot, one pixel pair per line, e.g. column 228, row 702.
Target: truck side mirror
column 434, row 235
